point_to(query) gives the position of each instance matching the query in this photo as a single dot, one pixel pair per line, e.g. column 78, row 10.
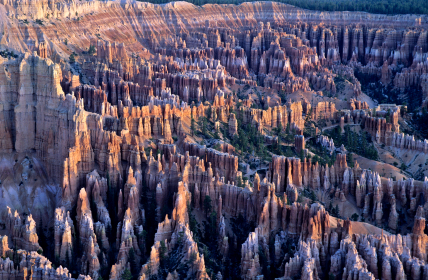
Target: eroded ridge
column 258, row 141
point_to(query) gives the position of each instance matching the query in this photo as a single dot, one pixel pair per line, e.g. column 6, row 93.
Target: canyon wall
column 96, row 153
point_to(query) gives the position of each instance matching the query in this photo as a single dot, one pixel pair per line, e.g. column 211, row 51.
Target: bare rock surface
column 189, row 142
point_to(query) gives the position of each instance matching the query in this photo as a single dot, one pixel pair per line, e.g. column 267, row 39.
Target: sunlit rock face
column 132, row 161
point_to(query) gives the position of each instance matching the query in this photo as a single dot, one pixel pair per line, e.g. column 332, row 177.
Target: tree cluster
column 420, row 121
column 371, row 6
column 358, row 143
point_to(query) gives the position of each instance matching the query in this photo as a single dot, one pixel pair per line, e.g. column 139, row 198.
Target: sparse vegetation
column 72, row 58
column 309, row 193
column 419, row 119
column 8, row 54
column 91, row 50
column 358, row 143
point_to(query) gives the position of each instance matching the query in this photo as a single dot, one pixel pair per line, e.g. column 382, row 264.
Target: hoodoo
column 174, row 141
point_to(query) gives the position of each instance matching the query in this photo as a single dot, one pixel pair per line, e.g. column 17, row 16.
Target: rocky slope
column 135, row 162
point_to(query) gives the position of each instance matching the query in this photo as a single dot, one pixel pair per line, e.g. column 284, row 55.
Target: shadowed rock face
column 102, row 169
column 31, row 93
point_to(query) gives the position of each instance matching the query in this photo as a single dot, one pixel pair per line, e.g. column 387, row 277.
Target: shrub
column 72, row 58
column 355, row 217
column 91, row 50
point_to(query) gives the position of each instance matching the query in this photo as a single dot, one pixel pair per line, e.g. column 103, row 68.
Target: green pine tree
column 126, row 275
column 193, row 126
column 207, row 204
column 72, row 58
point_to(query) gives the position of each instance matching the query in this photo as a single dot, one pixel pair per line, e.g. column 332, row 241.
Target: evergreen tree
column 162, row 250
column 207, row 204
column 204, row 125
column 216, row 135
column 209, row 112
column 336, row 209
column 193, row 126
column 350, row 160
column 239, row 182
column 91, row 50
column 72, row 58
column 279, row 128
column 388, row 116
column 126, row 275
column 133, row 262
